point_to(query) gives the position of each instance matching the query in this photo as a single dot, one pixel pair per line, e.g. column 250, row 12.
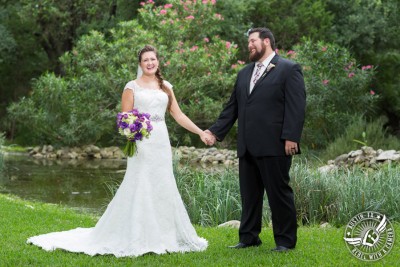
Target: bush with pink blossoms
column 201, row 66
column 338, row 90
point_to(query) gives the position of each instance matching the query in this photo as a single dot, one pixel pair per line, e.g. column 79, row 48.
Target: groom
column 268, row 100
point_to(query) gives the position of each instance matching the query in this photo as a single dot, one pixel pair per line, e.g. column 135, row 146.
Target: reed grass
column 212, row 198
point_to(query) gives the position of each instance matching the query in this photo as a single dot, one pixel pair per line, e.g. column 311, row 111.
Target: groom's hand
column 291, row 148
column 210, row 137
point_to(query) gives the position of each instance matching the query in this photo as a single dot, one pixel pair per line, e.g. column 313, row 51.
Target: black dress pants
column 271, row 174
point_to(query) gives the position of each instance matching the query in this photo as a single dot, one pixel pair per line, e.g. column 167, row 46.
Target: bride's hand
column 207, row 138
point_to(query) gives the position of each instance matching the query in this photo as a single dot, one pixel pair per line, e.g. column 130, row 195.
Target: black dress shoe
column 281, row 249
column 243, row 245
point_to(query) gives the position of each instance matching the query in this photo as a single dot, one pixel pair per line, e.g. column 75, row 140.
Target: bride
column 147, row 213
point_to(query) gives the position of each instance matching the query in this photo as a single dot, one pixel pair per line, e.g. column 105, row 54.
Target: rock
column 327, row 168
column 38, row 156
column 368, row 151
column 341, row 158
column 232, row 223
column 219, row 157
column 353, row 154
column 325, row 225
column 388, row 155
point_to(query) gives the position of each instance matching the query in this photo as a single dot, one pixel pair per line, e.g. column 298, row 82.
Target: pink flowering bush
column 79, row 107
column 202, row 67
column 338, row 90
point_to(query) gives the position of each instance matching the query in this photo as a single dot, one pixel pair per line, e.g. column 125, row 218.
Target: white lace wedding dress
column 147, row 213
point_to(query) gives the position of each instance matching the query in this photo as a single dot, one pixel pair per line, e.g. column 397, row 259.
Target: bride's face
column 149, row 63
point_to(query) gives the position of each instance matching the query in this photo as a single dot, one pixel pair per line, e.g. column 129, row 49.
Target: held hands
column 291, row 148
column 208, row 138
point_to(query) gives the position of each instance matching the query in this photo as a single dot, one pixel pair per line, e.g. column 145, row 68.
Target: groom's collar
column 268, row 59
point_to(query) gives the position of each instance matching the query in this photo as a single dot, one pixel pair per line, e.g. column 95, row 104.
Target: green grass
column 20, row 219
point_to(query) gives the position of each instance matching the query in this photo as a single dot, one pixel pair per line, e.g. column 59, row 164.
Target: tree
column 289, row 20
column 371, row 30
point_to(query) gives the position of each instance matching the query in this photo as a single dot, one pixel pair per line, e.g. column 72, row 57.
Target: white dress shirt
column 265, row 64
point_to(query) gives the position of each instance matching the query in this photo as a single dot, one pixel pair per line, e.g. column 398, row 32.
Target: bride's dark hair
column 149, row 48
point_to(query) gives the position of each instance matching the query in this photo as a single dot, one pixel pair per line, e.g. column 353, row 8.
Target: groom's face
column 256, row 46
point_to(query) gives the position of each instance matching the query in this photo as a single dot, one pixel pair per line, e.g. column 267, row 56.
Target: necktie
column 258, row 72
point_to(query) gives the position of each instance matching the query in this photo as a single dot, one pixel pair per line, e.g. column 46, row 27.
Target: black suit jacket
column 272, row 113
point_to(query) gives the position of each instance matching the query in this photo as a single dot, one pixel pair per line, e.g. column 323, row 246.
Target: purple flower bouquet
column 134, row 126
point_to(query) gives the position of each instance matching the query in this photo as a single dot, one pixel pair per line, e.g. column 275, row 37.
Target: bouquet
column 134, row 126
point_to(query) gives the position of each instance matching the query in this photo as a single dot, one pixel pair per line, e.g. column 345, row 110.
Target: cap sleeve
column 130, row 85
column 168, row 84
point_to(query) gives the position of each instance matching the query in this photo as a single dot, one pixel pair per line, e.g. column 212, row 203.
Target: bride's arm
column 181, row 118
column 127, row 100
column 184, row 121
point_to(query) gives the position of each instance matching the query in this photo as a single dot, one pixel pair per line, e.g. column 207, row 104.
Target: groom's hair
column 264, row 33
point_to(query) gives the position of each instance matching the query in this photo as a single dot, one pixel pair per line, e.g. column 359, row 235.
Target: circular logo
column 369, row 236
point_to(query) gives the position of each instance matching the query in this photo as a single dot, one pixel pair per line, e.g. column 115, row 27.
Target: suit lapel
column 248, row 77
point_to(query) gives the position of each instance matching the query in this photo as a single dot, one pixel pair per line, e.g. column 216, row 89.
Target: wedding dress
column 147, row 213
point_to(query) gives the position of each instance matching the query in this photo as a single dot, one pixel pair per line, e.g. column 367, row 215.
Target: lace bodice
column 152, row 101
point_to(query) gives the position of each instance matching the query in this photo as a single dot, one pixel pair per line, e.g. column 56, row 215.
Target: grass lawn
column 20, row 219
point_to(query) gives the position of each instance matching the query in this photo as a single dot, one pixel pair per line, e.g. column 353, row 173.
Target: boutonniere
column 270, row 67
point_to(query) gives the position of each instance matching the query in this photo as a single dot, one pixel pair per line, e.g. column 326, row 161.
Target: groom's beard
column 258, row 54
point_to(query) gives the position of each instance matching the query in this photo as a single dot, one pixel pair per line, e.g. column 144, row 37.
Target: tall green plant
column 1, row 151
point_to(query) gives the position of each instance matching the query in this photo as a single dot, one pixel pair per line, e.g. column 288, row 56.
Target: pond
column 78, row 184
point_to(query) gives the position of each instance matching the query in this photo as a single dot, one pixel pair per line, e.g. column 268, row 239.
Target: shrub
column 79, row 107
column 338, row 89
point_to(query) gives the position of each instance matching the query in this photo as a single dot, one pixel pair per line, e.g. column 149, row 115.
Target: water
column 78, row 184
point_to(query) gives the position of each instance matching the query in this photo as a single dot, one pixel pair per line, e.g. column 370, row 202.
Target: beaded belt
column 156, row 118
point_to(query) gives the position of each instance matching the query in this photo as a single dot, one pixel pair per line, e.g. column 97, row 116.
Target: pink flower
column 233, row 66
column 209, row 73
column 324, row 48
column 204, row 1
column 228, row 45
column 325, row 82
column 351, row 74
column 372, row 92
column 206, row 40
column 366, row 67
column 150, row 1
column 163, row 21
column 194, row 48
column 291, row 53
column 240, row 62
column 213, row 2
column 167, row 63
column 167, row 5
column 163, row 12
column 142, row 3
column 219, row 16
column 190, row 17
